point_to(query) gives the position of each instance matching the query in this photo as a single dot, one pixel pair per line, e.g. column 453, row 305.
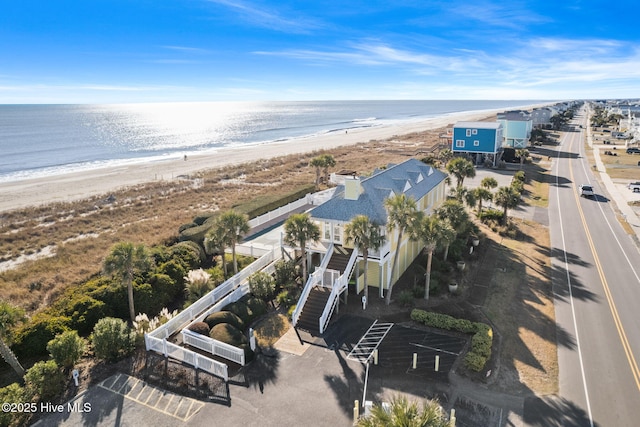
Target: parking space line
column 113, row 385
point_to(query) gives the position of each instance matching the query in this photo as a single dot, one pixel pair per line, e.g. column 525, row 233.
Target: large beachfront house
column 517, row 126
column 337, row 260
column 481, row 140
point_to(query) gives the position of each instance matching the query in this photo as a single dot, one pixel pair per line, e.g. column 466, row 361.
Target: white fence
column 214, row 347
column 259, row 220
column 162, row 346
column 231, row 291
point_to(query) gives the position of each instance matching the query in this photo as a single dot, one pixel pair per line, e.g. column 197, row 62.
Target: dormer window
column 407, row 186
column 420, row 178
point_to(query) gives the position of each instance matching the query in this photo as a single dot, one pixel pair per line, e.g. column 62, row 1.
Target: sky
column 121, row 51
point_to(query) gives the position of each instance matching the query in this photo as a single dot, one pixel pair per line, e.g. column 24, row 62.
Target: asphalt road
column 597, row 288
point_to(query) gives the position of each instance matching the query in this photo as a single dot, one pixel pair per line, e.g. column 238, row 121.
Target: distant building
column 481, row 140
column 541, row 117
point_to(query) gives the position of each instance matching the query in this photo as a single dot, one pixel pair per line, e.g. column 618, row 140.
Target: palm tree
column 482, row 194
column 508, row 198
column 10, row 316
column 123, row 261
column 403, row 413
column 234, row 225
column 461, row 168
column 401, row 213
column 300, row 229
column 318, row 163
column 365, row 235
column 522, row 153
column 328, row 162
column 428, row 230
column 455, row 213
column 214, row 243
column 448, row 235
column 489, row 183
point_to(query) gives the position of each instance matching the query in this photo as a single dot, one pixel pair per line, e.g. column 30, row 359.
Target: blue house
column 481, row 140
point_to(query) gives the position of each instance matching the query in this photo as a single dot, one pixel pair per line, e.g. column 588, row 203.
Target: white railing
column 230, row 291
column 339, row 286
column 313, row 280
column 329, row 277
column 215, row 347
column 259, row 220
column 191, row 312
column 164, row 347
column 320, row 197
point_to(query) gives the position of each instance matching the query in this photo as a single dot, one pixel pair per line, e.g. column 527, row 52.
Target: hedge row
column 481, row 341
column 262, row 205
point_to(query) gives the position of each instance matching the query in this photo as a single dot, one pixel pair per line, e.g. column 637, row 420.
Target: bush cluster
column 82, row 306
column 481, row 341
column 112, row 339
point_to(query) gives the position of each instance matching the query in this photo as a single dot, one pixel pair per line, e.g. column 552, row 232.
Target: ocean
column 44, row 140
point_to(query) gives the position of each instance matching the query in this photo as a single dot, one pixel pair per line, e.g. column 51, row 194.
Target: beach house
column 481, row 140
column 517, row 126
column 338, row 262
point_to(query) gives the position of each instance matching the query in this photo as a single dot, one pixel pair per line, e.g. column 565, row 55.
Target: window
column 474, row 132
column 468, row 132
column 476, row 143
column 337, row 233
column 327, row 231
column 460, row 143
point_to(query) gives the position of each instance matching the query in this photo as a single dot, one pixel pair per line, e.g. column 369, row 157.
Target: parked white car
column 634, row 186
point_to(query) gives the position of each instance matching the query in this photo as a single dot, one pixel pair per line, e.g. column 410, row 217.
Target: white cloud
column 269, row 18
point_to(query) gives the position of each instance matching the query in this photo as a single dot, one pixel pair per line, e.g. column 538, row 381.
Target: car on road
column 633, row 150
column 634, row 186
column 586, row 190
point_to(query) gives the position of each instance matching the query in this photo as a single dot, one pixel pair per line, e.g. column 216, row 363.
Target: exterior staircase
column 339, row 259
column 320, row 301
column 312, row 310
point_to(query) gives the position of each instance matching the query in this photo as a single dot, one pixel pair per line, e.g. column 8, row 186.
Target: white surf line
column 573, row 310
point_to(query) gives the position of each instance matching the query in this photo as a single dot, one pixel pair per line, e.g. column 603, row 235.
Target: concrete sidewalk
column 618, row 192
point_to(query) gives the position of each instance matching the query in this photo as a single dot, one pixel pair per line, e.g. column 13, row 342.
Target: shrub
column 405, row 298
column 217, row 275
column 241, row 310
column 12, row 393
column 291, row 310
column 195, row 234
column 517, row 185
column 197, row 284
column 228, row 334
column 112, row 339
column 257, row 306
column 224, row 317
column 200, row 328
column 262, row 286
column 164, row 287
column 285, row 299
column 285, row 272
column 32, row 338
column 175, row 270
column 202, row 218
column 187, row 226
column 481, row 341
column 519, row 176
column 83, row 310
column 67, row 348
column 196, row 249
column 188, row 254
column 44, row 381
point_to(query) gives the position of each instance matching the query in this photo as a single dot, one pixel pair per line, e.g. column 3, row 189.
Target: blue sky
column 96, row 51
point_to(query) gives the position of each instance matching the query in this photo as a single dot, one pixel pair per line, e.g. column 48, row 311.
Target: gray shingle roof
column 404, row 177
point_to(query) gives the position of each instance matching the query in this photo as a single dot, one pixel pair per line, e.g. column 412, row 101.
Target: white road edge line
column 573, row 311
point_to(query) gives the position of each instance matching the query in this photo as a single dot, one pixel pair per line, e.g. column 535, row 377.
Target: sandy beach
column 80, row 185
